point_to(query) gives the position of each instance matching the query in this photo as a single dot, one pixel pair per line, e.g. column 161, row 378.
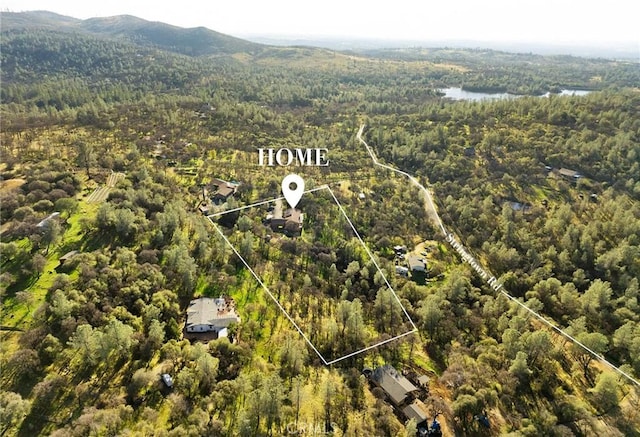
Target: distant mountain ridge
column 43, row 46
column 198, row 41
column 624, row 51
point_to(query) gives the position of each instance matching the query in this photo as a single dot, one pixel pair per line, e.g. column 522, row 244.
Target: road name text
column 467, row 257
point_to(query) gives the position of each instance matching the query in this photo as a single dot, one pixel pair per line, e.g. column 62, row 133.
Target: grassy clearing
column 74, row 234
column 539, row 191
column 11, row 184
column 17, row 314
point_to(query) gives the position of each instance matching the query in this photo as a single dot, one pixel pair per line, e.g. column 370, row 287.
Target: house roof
column 396, row 386
column 423, row 380
column 46, row 220
column 225, row 189
column 218, row 312
column 415, row 411
column 415, row 262
column 518, row 206
column 569, row 173
column 167, row 379
column 289, row 215
column 293, row 215
column 67, row 256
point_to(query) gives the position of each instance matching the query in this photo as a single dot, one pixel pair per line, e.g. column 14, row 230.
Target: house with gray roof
column 211, row 315
column 416, row 264
column 397, row 388
column 569, row 174
column 415, row 411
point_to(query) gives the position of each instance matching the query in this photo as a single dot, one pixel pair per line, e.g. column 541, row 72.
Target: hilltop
column 197, row 41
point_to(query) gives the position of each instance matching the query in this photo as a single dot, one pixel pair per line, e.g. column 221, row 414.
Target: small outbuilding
column 204, row 208
column 167, row 380
column 45, row 221
column 423, row 381
column 402, row 271
column 67, row 257
column 400, row 249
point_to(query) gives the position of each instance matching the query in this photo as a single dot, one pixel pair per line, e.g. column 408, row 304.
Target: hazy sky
column 548, row 21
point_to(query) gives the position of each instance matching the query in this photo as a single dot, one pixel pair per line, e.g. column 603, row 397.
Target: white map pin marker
column 292, row 196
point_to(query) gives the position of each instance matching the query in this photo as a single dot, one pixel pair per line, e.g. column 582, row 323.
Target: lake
column 570, row 93
column 460, row 94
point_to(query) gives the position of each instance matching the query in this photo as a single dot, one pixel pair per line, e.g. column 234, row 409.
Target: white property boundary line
column 264, row 202
column 497, row 287
column 266, row 289
column 279, row 305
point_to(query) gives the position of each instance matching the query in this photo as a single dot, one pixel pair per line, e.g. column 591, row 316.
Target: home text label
column 286, row 157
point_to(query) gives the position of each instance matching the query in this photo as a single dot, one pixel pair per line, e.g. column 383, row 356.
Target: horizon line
column 334, row 37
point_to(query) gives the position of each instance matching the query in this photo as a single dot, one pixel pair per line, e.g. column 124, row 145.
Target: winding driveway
column 491, row 280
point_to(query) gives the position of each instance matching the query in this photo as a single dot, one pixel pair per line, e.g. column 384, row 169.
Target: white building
column 211, row 315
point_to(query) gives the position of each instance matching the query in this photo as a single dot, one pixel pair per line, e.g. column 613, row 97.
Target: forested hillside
column 126, row 28
column 108, row 142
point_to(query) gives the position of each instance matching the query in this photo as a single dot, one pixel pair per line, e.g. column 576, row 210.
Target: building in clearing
column 402, row 270
column 416, row 264
column 68, row 256
column 211, row 315
column 397, row 388
column 167, row 380
column 415, row 411
column 45, row 222
column 569, row 174
column 223, row 190
column 66, row 259
column 400, row 250
column 423, row 381
column 288, row 221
